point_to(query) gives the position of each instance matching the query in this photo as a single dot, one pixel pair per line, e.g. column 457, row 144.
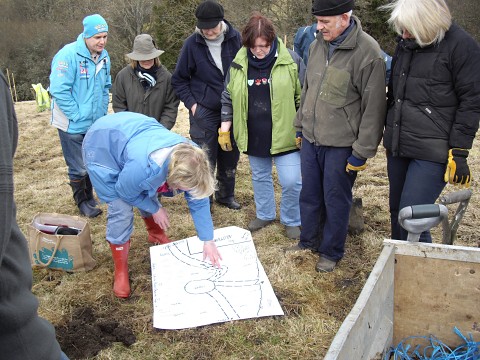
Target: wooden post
column 14, row 88
column 9, row 84
column 285, row 39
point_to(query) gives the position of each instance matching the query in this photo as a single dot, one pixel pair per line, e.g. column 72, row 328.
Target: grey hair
column 426, row 20
column 224, row 28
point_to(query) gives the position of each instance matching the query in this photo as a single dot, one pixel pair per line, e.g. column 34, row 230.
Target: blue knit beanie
column 94, row 24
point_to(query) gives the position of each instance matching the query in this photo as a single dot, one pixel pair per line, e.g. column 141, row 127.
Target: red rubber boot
column 121, row 283
column 156, row 235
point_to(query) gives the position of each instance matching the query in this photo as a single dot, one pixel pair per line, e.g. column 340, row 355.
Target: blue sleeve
column 62, row 79
column 297, row 41
column 129, row 190
column 202, row 219
column 388, row 66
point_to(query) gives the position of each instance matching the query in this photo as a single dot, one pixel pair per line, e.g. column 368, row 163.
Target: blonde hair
column 134, row 63
column 189, row 169
column 426, row 20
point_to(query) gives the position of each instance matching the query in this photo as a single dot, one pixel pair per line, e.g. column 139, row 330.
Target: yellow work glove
column 355, row 164
column 224, row 140
column 298, row 139
column 458, row 172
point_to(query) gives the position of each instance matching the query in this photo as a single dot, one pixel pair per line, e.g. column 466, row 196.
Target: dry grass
column 314, row 304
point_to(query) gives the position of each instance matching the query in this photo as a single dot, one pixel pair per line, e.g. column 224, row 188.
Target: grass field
column 84, row 310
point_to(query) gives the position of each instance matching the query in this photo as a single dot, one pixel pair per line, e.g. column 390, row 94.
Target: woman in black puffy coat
column 433, row 106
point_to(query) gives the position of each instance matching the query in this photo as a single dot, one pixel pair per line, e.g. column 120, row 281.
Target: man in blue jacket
column 198, row 81
column 303, row 38
column 79, row 84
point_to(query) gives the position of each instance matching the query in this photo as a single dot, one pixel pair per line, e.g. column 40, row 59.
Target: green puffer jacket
column 285, row 92
column 344, row 99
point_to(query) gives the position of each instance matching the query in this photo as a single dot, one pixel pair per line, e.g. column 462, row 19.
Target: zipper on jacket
column 316, row 99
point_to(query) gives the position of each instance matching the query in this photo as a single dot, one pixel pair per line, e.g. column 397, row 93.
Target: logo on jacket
column 83, row 72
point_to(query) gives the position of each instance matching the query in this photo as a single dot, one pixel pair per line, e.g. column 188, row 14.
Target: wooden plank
column 414, row 289
column 368, row 328
column 433, row 293
column 436, row 251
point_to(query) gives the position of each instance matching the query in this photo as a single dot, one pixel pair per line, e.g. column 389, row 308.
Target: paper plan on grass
column 190, row 292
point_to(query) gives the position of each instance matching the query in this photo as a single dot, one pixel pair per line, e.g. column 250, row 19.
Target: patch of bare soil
column 86, row 334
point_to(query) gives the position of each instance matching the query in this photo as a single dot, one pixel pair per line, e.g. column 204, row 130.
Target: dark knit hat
column 332, row 7
column 209, row 13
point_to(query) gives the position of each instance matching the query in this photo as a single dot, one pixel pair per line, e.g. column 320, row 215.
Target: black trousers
column 204, row 132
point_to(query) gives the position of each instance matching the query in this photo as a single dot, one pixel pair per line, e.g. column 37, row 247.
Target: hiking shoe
column 232, row 204
column 257, row 224
column 293, row 232
column 325, row 265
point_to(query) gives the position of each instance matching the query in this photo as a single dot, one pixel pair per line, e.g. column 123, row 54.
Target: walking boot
column 121, row 282
column 156, row 235
column 356, row 224
column 80, row 197
column 89, row 192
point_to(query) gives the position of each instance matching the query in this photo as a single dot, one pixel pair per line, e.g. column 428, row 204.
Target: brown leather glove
column 224, row 140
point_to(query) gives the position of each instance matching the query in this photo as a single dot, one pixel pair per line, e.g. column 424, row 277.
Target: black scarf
column 147, row 77
column 266, row 61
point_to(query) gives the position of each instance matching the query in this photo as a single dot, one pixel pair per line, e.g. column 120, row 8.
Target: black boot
column 226, row 187
column 89, row 192
column 80, row 197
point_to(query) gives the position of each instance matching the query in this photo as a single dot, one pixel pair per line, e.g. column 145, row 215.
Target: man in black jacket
column 198, row 81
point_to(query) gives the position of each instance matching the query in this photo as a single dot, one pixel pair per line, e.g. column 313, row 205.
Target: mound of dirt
column 86, row 334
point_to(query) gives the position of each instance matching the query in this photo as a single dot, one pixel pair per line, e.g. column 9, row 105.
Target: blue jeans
column 72, row 153
column 289, row 176
column 325, row 199
column 63, row 356
column 120, row 221
column 412, row 182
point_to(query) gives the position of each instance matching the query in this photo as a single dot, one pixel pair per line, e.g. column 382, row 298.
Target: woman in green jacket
column 262, row 94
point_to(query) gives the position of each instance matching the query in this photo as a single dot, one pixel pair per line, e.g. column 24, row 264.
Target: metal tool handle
column 462, row 197
column 419, row 218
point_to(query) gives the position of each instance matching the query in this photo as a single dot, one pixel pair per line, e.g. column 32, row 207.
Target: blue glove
column 355, row 164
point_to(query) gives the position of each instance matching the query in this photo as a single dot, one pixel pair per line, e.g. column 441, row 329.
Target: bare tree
column 130, row 17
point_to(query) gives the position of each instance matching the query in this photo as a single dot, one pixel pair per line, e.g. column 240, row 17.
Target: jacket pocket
column 441, row 127
column 335, row 86
column 59, row 119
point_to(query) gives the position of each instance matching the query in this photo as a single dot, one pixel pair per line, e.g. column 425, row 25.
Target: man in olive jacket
column 339, row 123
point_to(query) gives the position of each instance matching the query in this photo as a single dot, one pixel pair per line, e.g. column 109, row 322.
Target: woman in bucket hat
column 144, row 86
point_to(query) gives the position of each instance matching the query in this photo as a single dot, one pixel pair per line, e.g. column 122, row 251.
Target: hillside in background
column 33, row 31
